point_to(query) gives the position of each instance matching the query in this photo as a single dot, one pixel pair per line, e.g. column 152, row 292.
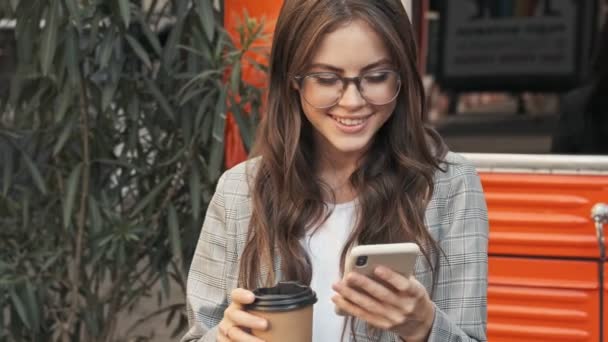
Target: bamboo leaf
column 7, row 169
column 107, row 46
column 71, row 57
column 63, row 103
column 96, row 219
column 20, row 308
column 151, row 36
column 125, row 11
column 170, row 50
column 206, row 15
column 139, row 51
column 151, row 195
column 235, row 78
column 195, row 190
column 74, row 11
column 219, row 127
column 32, row 307
column 48, row 44
column 35, row 173
column 71, row 190
column 174, row 236
column 162, row 100
column 245, row 129
column 63, row 137
column 107, row 96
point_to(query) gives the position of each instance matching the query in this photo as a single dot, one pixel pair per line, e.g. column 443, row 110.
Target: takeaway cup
column 288, row 307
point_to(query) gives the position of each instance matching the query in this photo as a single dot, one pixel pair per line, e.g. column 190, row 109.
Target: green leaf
column 20, row 308
column 63, row 103
column 74, row 11
column 151, row 36
column 217, row 143
column 151, row 195
column 70, row 197
column 48, row 43
column 235, row 77
column 32, row 306
column 139, row 51
column 95, row 216
column 206, row 15
column 195, row 190
column 245, row 129
column 170, row 50
column 204, row 107
column 174, row 236
column 71, row 57
column 107, row 46
column 162, row 100
column 125, row 11
column 35, row 173
column 7, row 169
column 107, row 95
column 63, row 137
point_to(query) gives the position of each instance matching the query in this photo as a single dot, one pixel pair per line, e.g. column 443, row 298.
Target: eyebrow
column 340, row 70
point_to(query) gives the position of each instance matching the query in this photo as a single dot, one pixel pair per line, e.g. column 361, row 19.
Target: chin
column 349, row 147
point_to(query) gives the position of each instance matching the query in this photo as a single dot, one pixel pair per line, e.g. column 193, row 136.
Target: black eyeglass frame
column 346, row 81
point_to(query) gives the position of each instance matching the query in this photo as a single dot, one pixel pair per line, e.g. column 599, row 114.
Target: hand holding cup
column 237, row 323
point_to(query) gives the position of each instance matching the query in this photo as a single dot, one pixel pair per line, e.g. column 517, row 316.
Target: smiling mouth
column 350, row 122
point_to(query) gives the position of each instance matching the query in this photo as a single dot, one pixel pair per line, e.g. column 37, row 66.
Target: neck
column 335, row 170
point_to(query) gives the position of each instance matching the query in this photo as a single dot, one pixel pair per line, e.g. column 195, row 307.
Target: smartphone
column 399, row 257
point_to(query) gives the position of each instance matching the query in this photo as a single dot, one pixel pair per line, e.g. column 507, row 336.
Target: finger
column 356, row 311
column 237, row 334
column 222, row 338
column 373, row 288
column 247, row 320
column 358, row 298
column 370, row 304
column 396, row 280
column 242, row 296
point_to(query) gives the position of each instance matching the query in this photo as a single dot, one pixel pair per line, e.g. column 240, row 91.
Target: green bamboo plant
column 111, row 143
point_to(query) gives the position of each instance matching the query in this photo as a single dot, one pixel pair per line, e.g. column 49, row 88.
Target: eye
column 325, row 79
column 377, row 76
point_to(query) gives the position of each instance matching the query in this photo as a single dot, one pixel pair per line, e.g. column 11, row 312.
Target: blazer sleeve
column 206, row 296
column 460, row 294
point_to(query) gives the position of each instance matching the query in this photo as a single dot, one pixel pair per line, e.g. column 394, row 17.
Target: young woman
column 343, row 158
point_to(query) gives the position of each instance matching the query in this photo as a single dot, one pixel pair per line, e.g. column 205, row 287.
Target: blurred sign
column 515, row 44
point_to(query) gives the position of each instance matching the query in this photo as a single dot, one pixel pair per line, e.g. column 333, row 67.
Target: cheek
column 310, row 112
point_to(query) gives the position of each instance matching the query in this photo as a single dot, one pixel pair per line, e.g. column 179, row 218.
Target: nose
column 351, row 98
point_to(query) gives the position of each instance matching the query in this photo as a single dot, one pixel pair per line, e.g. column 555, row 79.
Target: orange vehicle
column 546, row 250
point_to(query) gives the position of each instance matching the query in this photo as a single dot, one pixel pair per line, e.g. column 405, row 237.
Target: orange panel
column 542, row 300
column 605, row 296
column 543, row 215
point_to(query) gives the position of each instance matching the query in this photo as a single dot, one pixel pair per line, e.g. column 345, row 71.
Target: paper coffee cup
column 288, row 307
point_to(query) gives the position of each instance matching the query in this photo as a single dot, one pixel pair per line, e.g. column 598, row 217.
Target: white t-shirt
column 324, row 248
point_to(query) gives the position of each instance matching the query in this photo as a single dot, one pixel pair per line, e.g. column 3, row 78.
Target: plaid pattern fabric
column 456, row 218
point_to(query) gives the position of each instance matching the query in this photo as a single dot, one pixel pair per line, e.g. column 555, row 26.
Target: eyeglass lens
column 324, row 90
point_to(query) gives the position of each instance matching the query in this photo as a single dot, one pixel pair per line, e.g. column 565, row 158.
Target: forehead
column 351, row 46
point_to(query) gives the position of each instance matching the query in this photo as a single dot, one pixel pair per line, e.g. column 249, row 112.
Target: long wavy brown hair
column 393, row 182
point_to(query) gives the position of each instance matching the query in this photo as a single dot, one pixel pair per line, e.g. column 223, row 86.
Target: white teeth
column 350, row 122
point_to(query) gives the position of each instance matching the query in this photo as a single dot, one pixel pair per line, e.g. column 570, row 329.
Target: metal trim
column 539, row 163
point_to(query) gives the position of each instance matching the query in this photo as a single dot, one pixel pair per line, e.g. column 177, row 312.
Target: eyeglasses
column 325, row 89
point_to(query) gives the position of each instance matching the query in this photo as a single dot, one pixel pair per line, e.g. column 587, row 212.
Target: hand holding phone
column 399, row 257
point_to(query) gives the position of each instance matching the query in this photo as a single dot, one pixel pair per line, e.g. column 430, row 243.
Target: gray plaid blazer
column 456, row 218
